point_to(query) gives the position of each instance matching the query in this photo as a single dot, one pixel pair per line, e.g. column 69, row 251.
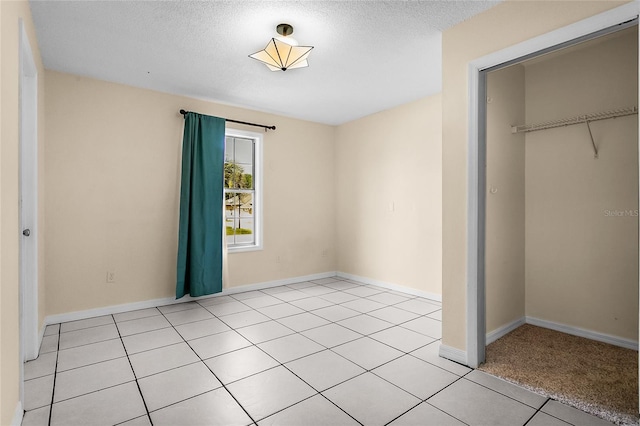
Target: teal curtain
column 201, row 206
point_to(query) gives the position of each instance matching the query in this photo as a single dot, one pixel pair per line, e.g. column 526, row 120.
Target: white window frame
column 257, row 184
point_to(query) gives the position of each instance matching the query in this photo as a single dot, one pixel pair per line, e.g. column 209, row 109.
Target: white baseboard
column 453, row 354
column 581, row 332
column 503, row 330
column 432, row 296
column 116, row 309
column 563, row 328
column 17, row 415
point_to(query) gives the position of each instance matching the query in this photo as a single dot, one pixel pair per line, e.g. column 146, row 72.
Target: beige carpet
column 595, row 377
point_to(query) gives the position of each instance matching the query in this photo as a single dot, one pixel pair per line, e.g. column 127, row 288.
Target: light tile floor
column 325, row 352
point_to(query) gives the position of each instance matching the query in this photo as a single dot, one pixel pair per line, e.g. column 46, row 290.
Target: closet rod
column 575, row 120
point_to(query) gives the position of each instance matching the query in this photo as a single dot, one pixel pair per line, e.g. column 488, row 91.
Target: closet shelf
column 587, row 118
column 575, row 120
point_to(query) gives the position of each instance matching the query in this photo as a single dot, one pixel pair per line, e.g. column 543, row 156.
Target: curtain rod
column 183, row 112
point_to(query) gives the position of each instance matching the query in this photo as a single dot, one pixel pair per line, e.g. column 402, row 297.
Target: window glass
column 240, row 187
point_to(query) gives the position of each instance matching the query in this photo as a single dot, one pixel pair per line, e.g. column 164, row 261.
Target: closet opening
column 558, row 222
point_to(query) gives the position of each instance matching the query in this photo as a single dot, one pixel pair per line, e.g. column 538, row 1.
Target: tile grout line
column 276, row 320
column 537, row 411
column 86, row 344
column 498, row 392
column 377, row 309
column 448, row 414
column 170, row 369
column 135, row 376
column 83, row 328
column 351, row 294
column 220, row 318
column 340, row 408
column 359, row 313
column 90, row 365
column 455, row 381
column 403, row 353
column 55, row 374
column 96, row 391
column 435, row 365
column 280, row 364
column 402, row 414
column 398, row 386
column 320, row 393
column 214, row 375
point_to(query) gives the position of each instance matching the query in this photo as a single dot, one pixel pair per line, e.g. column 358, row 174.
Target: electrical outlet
column 324, row 253
column 111, row 276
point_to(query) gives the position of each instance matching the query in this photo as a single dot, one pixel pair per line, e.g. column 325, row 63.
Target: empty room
column 275, row 212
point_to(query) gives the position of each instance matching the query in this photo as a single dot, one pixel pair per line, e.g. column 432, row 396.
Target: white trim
column 257, row 193
column 474, row 302
column 126, row 307
column 581, row 332
column 578, row 29
column 28, row 208
column 453, row 354
column 16, row 420
column 563, row 328
column 504, row 330
column 427, row 295
column 475, row 308
column 458, row 354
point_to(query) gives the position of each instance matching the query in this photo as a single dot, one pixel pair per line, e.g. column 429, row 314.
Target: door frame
column 28, row 202
column 476, row 166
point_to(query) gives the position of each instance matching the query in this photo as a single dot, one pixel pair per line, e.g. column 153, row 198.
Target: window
column 243, row 190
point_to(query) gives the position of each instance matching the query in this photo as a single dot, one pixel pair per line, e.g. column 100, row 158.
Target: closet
column 561, row 222
column 562, row 192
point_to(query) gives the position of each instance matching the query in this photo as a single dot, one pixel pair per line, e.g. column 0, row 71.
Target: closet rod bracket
column 595, row 148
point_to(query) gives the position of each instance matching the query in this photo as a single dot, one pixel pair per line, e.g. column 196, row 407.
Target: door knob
column 26, row 232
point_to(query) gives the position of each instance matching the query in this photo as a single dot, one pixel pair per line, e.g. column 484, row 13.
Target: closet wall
column 581, row 217
column 562, row 226
column 505, row 212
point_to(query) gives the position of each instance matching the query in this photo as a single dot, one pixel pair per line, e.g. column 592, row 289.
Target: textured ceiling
column 368, row 55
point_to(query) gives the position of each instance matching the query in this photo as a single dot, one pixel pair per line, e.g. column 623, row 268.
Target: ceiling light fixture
column 283, row 53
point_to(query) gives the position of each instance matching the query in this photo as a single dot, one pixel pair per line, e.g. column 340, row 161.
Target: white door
column 28, row 200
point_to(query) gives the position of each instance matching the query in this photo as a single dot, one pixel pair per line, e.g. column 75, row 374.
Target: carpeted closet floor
column 596, row 377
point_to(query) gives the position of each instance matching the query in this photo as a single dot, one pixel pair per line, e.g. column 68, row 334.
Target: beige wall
column 504, row 25
column 505, row 199
column 11, row 12
column 388, row 196
column 112, row 169
column 582, row 259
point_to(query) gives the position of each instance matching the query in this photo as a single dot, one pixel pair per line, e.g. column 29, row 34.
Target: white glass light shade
column 289, row 40
column 280, row 56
